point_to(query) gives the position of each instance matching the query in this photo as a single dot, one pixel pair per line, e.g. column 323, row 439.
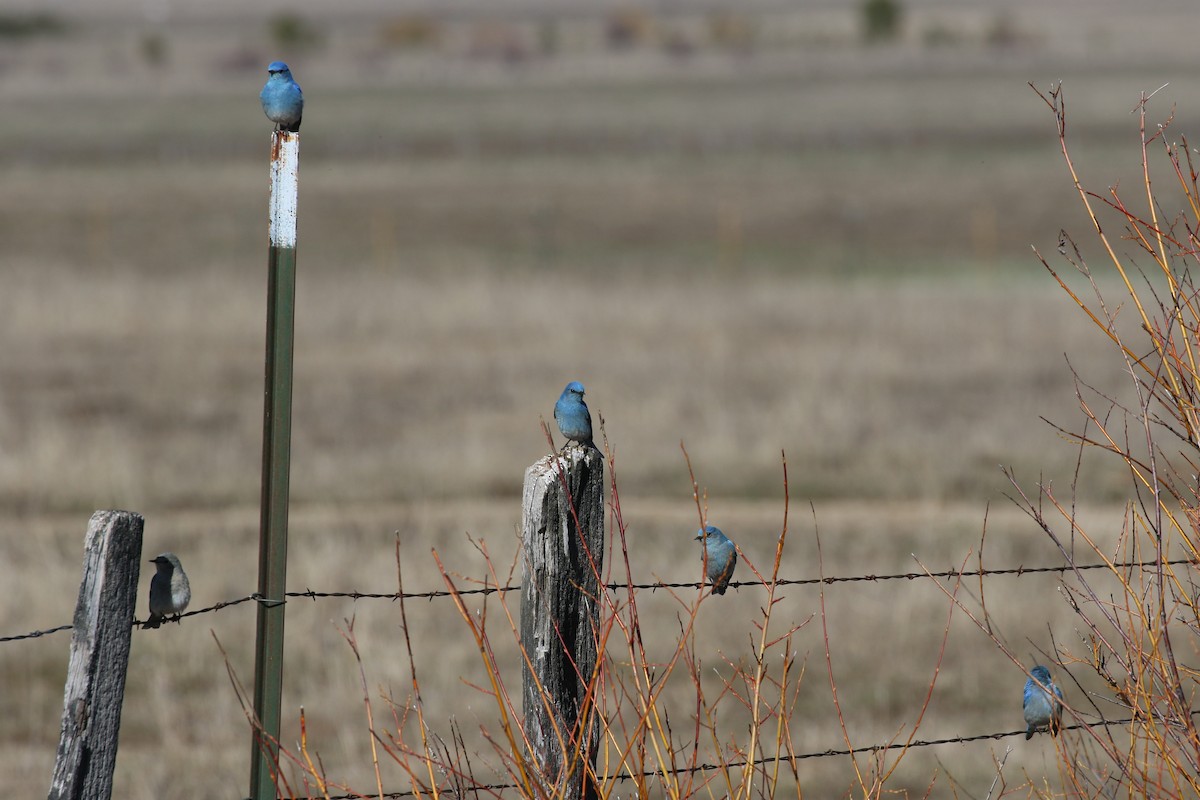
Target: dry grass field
column 802, row 245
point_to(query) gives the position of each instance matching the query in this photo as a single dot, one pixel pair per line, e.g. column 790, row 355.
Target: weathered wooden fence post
column 563, row 524
column 87, row 745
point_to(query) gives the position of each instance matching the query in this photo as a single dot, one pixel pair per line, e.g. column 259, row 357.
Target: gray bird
column 1042, row 703
column 169, row 589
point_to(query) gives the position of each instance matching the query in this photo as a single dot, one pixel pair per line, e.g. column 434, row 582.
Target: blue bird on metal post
column 1042, row 704
column 720, row 557
column 572, row 415
column 282, row 100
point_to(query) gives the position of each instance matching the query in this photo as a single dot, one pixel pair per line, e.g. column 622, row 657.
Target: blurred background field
column 741, row 226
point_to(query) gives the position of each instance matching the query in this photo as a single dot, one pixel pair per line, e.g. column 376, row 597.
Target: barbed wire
column 136, row 623
column 758, row 762
column 224, row 604
column 487, row 590
column 951, row 573
column 828, row 753
column 35, row 634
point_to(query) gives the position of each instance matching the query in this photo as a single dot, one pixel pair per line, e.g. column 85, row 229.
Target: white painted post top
column 285, row 187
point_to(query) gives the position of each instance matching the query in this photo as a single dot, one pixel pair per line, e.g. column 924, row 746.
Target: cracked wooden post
column 560, row 614
column 87, row 745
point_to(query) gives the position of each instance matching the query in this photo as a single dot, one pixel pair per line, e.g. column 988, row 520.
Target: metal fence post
column 277, row 442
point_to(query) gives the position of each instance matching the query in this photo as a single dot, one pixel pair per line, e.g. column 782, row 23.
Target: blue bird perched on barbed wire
column 720, row 557
column 282, row 100
column 170, row 591
column 1042, row 704
column 572, row 415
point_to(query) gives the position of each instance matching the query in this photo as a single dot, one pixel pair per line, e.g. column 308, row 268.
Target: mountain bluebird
column 169, row 589
column 282, row 100
column 1042, row 709
column 572, row 415
column 720, row 555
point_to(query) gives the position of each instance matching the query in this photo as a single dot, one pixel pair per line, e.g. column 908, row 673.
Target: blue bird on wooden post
column 719, row 557
column 1042, row 703
column 282, row 100
column 572, row 415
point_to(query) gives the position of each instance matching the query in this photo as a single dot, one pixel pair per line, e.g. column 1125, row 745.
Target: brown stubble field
column 817, row 248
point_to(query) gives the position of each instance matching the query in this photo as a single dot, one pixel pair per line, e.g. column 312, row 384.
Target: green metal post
column 277, row 444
